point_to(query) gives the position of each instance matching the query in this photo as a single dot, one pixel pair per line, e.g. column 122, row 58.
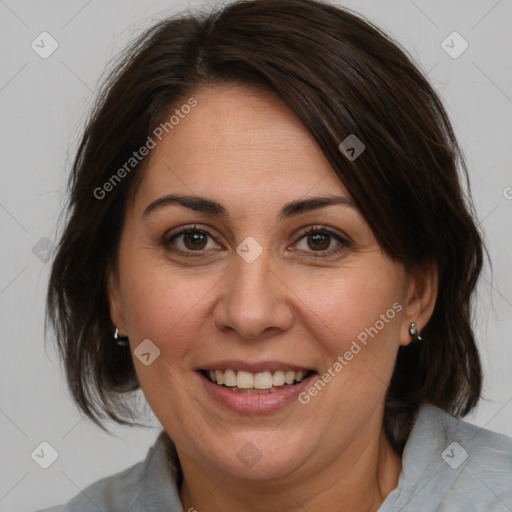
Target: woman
column 268, row 235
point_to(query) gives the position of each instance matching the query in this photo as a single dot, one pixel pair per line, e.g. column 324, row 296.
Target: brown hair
column 341, row 76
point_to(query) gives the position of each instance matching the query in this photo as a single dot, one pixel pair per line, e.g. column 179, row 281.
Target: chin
column 259, row 456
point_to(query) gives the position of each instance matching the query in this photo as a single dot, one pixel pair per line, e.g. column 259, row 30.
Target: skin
column 296, row 302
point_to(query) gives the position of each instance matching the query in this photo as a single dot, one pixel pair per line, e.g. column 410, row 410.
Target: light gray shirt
column 448, row 465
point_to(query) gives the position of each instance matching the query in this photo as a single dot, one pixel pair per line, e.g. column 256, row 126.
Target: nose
column 253, row 300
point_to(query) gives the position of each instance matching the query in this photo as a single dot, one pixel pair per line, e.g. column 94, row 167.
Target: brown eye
column 190, row 241
column 321, row 242
column 195, row 240
column 318, row 241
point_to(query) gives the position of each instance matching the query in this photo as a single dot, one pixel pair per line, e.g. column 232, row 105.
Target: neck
column 349, row 483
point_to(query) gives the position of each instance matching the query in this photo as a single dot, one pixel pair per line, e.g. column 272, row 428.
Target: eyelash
column 343, row 243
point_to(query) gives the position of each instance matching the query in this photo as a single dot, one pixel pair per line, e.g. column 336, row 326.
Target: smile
column 253, row 383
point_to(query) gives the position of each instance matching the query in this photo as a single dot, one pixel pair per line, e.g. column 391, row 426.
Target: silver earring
column 414, row 332
column 122, row 341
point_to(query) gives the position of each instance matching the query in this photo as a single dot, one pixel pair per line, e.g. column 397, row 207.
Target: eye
column 321, row 240
column 190, row 239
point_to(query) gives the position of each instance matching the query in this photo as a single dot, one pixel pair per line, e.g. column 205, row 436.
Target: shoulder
column 449, row 464
column 148, row 485
column 480, row 461
column 112, row 493
column 467, row 446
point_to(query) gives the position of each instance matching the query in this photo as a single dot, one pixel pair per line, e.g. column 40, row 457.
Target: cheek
column 357, row 330
column 169, row 309
column 167, row 306
column 357, row 313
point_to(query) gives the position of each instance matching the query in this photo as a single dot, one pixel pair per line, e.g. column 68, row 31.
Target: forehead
column 241, row 145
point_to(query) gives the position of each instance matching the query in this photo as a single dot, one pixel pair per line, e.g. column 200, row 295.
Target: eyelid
column 344, row 241
column 342, row 238
column 180, row 230
column 167, row 239
column 340, row 235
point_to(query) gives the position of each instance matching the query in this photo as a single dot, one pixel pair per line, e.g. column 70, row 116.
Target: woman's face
column 248, row 292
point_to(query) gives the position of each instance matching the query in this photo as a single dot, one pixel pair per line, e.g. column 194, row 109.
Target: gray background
column 43, row 104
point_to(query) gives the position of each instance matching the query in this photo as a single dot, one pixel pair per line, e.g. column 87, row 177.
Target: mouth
column 264, row 382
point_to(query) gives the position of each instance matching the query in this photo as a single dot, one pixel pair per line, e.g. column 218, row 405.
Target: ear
column 422, row 287
column 115, row 302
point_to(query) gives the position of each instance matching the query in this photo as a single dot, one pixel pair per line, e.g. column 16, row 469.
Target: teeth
column 278, row 378
column 244, row 380
column 229, row 378
column 261, row 380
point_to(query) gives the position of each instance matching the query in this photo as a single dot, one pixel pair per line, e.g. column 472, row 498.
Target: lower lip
column 257, row 402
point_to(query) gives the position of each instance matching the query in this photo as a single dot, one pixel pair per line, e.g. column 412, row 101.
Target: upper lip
column 253, row 367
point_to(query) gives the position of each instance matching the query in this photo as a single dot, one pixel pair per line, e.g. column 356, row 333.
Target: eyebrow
column 211, row 207
column 197, row 203
column 314, row 203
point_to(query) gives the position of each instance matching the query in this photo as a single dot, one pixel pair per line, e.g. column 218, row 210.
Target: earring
column 122, row 341
column 414, row 332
